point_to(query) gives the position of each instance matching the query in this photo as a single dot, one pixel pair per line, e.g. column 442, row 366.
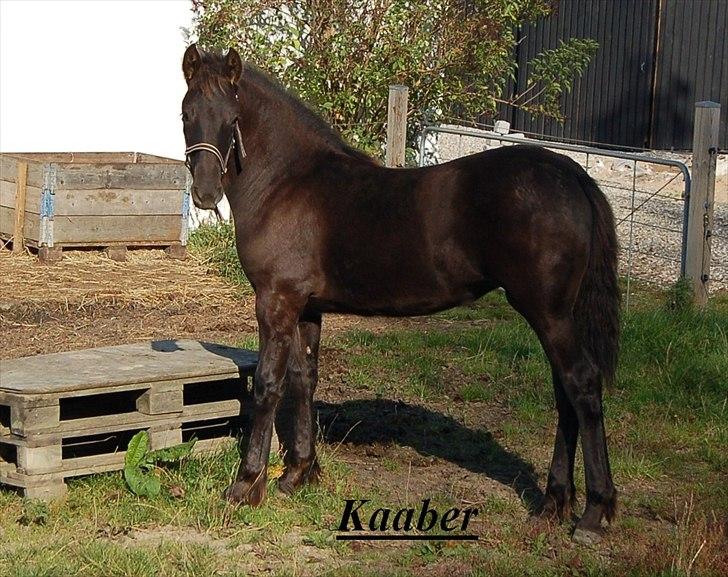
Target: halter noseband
column 212, row 148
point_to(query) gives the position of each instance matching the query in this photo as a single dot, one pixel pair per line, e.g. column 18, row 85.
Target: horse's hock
column 52, row 201
column 73, row 413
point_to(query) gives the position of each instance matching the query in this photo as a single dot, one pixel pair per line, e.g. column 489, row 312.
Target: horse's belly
column 398, row 294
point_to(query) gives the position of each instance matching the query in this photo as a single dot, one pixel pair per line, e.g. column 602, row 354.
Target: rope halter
column 236, row 135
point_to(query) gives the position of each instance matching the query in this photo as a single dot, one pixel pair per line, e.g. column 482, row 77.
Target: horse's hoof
column 246, row 493
column 587, row 537
column 288, row 485
column 558, row 506
column 550, row 512
column 295, row 477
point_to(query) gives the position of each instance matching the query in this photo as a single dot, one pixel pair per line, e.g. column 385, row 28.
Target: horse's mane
column 212, row 77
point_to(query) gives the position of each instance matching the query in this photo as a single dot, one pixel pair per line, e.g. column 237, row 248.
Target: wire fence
column 649, row 195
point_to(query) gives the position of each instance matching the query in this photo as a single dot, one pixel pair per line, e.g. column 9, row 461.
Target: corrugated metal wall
column 692, row 65
column 656, row 58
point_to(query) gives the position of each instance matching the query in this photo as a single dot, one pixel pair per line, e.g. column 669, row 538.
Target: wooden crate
column 73, row 413
column 93, row 199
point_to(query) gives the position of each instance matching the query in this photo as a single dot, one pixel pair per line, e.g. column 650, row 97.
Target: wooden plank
column 163, row 438
column 105, row 230
column 153, row 158
column 35, row 418
column 103, row 424
column 129, row 176
column 87, row 370
column 9, row 170
column 38, row 460
column 76, row 157
column 162, row 398
column 115, row 461
column 702, row 197
column 20, row 194
column 31, row 225
column 93, row 157
column 124, row 421
column 47, row 491
column 33, row 441
column 8, row 196
column 117, row 202
column 93, row 464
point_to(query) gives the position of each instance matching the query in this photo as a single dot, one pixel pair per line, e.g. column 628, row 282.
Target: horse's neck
column 278, row 137
column 277, row 143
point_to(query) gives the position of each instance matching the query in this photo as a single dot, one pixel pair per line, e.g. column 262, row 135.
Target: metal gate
column 651, row 213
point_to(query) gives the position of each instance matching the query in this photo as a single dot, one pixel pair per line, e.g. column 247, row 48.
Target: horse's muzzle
column 206, row 201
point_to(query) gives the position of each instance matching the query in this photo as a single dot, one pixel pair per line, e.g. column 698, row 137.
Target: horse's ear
column 234, row 65
column 190, row 62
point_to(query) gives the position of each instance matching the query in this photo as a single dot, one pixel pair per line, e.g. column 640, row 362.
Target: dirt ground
column 88, row 300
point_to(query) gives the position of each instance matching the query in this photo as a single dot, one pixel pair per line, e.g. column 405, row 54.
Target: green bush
column 340, row 56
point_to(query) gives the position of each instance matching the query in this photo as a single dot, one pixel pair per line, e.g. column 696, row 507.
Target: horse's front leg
column 295, row 423
column 277, row 315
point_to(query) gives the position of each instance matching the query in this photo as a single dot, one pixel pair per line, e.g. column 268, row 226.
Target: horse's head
column 210, row 115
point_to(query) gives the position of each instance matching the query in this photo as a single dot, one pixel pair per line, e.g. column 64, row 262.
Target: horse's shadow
column 383, row 421
column 430, row 433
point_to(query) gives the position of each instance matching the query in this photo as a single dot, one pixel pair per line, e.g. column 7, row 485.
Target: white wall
column 92, row 75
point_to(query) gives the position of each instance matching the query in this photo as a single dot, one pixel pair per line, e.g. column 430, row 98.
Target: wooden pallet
column 73, row 413
column 117, row 252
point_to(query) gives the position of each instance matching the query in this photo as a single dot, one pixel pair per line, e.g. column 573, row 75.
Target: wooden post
column 700, row 216
column 21, row 179
column 396, row 125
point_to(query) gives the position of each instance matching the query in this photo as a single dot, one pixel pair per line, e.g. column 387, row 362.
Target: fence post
column 396, row 125
column 700, row 215
column 21, row 179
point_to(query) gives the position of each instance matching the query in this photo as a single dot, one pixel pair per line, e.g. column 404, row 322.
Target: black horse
column 322, row 227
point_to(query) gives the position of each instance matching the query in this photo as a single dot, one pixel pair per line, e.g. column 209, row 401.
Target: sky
column 87, row 76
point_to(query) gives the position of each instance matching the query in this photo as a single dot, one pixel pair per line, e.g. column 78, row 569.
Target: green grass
column 667, row 420
column 102, row 528
column 214, row 245
column 673, row 368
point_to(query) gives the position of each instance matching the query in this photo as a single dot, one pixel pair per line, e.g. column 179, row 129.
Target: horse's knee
column 268, row 390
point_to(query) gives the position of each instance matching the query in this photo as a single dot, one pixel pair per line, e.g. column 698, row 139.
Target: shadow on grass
column 363, row 422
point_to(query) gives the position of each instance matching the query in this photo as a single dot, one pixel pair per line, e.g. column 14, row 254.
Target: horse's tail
column 596, row 310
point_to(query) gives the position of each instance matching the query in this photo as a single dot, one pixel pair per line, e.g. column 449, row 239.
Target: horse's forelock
column 212, row 76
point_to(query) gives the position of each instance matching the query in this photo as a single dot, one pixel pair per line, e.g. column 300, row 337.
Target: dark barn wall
column 692, row 65
column 656, row 58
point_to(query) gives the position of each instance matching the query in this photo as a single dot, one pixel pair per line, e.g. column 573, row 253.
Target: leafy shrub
column 340, row 56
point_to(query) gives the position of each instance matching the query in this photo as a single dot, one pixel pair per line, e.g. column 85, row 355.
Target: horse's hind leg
column 295, row 423
column 580, row 381
column 560, row 490
column 577, row 383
